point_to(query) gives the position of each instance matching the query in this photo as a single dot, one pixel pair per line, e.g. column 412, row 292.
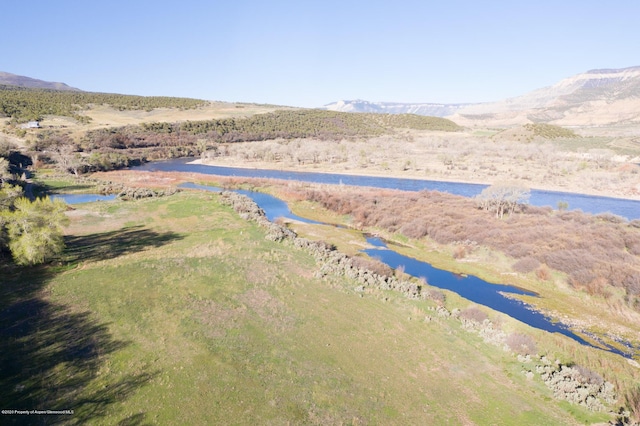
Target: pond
column 81, row 198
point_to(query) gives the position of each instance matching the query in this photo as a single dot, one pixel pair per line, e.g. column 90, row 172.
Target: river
column 629, row 209
column 474, row 289
column 469, row 287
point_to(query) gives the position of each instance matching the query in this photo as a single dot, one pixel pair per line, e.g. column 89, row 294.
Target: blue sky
column 309, row 53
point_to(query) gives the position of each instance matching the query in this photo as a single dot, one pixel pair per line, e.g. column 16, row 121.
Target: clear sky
column 309, row 53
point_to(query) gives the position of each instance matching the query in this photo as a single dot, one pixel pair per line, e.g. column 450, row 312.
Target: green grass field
column 177, row 311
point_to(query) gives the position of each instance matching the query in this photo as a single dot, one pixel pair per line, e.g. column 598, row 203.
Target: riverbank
column 559, row 298
column 572, row 186
column 194, row 305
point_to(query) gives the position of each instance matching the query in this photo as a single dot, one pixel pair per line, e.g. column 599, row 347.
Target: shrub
column 459, row 252
column 437, row 296
column 632, row 402
column 583, row 246
column 372, row 265
column 526, row 265
column 472, row 313
column 543, row 272
column 522, row 344
column 588, row 376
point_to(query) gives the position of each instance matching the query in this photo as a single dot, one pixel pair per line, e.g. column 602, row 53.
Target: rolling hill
column 596, row 97
column 22, row 81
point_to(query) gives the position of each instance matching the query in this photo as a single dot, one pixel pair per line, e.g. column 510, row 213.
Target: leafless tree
column 68, row 159
column 502, row 198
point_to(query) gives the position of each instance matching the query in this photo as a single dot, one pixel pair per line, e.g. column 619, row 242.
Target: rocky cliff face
column 22, row 81
column 597, row 97
column 434, row 110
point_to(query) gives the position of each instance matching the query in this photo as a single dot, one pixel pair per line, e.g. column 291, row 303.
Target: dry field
column 104, row 116
column 583, row 165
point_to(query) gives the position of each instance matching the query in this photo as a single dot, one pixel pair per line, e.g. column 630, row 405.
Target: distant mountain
column 434, row 110
column 22, row 81
column 596, row 97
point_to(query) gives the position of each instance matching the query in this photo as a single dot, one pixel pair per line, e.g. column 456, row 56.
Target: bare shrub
column 372, row 265
column 581, row 278
column 612, row 218
column 417, row 228
column 437, row 296
column 526, row 265
column 522, row 344
column 543, row 273
column 632, row 243
column 472, row 313
column 589, row 376
column 632, row 402
column 519, row 250
column 585, row 247
column 399, row 272
column 460, row 252
column 598, row 286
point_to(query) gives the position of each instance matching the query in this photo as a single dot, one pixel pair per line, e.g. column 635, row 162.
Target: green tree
column 5, row 174
column 34, row 229
column 8, row 195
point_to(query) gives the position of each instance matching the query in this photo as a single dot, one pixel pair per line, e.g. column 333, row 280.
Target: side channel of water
column 81, row 198
column 470, row 287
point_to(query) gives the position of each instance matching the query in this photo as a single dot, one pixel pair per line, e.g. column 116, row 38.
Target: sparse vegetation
column 24, row 104
column 549, row 131
column 597, row 254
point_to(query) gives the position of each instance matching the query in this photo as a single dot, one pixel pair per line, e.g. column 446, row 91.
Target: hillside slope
column 22, row 81
column 596, row 97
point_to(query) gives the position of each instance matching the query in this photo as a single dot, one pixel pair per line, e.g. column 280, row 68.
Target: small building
column 31, row 125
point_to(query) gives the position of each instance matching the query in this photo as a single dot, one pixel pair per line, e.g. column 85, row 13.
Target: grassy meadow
column 175, row 310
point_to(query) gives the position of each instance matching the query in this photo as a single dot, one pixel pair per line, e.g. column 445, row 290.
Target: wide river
column 629, row 209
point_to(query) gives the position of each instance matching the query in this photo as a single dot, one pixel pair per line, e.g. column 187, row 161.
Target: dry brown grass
column 104, row 116
column 459, row 156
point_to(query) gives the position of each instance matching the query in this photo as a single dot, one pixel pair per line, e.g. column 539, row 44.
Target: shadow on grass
column 42, row 190
column 109, row 245
column 52, row 356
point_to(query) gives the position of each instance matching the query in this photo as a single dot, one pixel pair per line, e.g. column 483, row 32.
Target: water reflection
column 81, row 198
